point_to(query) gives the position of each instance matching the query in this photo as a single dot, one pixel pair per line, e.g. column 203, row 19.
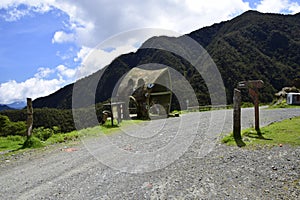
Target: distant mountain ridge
column 13, row 106
column 250, row 46
column 17, row 105
column 5, row 107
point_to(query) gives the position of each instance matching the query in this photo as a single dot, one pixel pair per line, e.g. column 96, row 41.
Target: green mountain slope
column 250, row 46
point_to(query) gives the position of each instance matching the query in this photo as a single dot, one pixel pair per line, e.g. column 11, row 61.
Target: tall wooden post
column 112, row 114
column 253, row 86
column 237, row 115
column 254, row 94
column 29, row 117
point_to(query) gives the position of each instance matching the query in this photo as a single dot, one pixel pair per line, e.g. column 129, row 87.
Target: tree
column 11, row 128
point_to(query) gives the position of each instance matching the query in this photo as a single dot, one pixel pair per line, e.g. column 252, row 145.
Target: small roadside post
column 252, row 86
column 237, row 117
column 29, row 117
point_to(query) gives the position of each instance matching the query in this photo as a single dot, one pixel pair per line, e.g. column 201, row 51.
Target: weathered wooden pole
column 253, row 91
column 254, row 94
column 112, row 114
column 237, row 115
column 253, row 86
column 29, row 117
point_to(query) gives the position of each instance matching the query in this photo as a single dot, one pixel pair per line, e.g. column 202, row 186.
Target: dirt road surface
column 175, row 158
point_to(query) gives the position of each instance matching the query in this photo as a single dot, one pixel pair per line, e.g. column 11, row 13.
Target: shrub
column 58, row 138
column 11, row 128
column 56, row 129
column 247, row 104
column 45, row 117
column 17, row 128
column 42, row 133
column 32, row 142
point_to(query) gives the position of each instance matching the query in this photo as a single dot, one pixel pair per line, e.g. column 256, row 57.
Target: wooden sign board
column 250, row 84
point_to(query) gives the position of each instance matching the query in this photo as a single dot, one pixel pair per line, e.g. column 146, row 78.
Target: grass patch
column 284, row 132
column 178, row 112
column 11, row 143
column 106, row 129
column 15, row 143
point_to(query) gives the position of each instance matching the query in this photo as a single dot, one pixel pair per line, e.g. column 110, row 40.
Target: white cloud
column 60, row 37
column 37, row 86
column 278, row 6
column 94, row 22
column 43, row 72
column 99, row 58
column 96, row 58
column 12, row 91
column 15, row 13
column 66, row 72
column 82, row 53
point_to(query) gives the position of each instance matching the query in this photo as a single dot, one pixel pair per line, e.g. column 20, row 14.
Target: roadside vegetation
column 13, row 134
column 48, row 136
column 286, row 132
column 283, row 104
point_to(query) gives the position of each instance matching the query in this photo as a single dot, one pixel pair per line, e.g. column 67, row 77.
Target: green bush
column 42, row 133
column 58, row 138
column 11, row 128
column 32, row 142
column 17, row 128
column 45, row 117
column 247, row 104
column 56, row 129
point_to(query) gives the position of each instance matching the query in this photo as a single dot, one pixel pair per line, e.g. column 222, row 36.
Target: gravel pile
column 205, row 170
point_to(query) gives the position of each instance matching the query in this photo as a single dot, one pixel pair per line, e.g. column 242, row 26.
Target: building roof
column 293, row 93
column 137, row 77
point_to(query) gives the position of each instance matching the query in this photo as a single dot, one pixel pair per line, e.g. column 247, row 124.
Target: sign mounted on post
column 252, row 86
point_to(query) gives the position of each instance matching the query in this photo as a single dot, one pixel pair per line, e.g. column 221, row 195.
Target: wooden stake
column 29, row 117
column 237, row 114
column 237, row 118
column 254, row 94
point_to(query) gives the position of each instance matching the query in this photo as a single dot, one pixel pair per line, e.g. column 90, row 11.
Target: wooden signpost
column 252, row 87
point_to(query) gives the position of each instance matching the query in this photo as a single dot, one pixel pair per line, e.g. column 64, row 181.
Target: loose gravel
column 203, row 168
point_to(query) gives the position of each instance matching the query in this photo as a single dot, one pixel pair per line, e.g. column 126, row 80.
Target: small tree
column 11, row 128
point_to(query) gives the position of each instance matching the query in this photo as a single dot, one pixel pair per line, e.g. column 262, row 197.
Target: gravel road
column 176, row 158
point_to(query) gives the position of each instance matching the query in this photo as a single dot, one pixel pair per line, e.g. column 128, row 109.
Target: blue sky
column 26, row 45
column 44, row 42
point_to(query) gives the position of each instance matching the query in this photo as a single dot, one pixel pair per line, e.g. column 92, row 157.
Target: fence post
column 254, row 94
column 237, row 118
column 29, row 117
